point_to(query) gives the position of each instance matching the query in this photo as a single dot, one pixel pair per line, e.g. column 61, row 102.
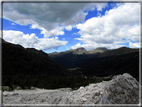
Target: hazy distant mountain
column 102, row 48
column 74, row 57
column 77, row 51
column 53, row 53
column 99, row 49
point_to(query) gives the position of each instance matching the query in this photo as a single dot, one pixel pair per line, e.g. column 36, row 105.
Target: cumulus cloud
column 48, row 15
column 13, row 24
column 47, row 33
column 69, row 28
column 49, row 12
column 108, row 30
column 48, row 43
column 26, row 40
column 134, row 45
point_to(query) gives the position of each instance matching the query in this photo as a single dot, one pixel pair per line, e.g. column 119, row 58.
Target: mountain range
column 73, row 58
column 31, row 67
column 101, row 61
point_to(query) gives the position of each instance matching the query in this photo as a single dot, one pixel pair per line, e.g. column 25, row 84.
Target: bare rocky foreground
column 122, row 89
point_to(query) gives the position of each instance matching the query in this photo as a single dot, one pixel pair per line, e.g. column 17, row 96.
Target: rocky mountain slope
column 122, row 89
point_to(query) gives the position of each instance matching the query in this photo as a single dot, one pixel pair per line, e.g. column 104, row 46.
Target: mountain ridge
column 73, row 57
column 81, row 50
column 31, row 64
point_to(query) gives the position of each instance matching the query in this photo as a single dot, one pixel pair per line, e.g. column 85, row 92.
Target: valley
column 26, row 67
column 100, row 61
column 30, row 75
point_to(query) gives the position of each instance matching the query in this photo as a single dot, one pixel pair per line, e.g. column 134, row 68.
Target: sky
column 63, row 26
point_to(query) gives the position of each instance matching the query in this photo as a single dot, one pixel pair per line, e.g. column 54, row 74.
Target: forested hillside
column 30, row 67
column 113, row 62
column 27, row 67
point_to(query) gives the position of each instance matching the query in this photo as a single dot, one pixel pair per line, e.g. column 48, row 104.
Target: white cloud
column 26, row 40
column 48, row 43
column 44, row 13
column 108, row 30
column 69, row 28
column 134, row 45
column 67, row 48
column 19, row 37
column 47, row 33
column 13, row 24
column 100, row 6
column 76, row 46
column 48, row 15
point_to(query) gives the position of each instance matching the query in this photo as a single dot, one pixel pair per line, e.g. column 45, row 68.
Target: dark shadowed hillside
column 26, row 67
column 29, row 67
column 26, row 61
column 112, row 62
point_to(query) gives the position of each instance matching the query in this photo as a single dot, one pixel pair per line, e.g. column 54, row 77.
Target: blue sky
column 63, row 26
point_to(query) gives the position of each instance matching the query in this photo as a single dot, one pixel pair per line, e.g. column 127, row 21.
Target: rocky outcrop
column 122, row 89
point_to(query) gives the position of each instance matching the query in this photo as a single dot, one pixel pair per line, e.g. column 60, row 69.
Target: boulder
column 33, row 88
column 122, row 89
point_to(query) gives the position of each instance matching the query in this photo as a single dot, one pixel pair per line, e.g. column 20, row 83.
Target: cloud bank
column 26, row 40
column 50, row 18
column 118, row 26
column 48, row 15
column 110, row 29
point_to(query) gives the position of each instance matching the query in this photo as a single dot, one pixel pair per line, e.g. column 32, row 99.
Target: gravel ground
column 37, row 96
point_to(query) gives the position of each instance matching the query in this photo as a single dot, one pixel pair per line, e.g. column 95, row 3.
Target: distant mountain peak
column 81, row 48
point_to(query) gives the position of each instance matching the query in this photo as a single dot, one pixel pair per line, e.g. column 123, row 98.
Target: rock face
column 122, row 89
